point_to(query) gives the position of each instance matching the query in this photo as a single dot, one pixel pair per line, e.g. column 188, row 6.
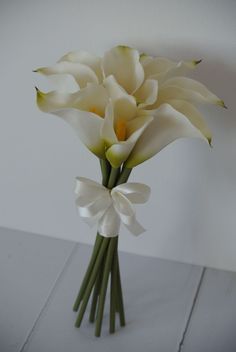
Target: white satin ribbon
column 97, row 204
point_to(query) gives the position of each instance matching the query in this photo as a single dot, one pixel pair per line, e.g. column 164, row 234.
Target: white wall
column 191, row 216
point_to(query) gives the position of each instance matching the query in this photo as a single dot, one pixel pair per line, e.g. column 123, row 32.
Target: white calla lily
column 193, row 115
column 93, row 98
column 85, row 58
column 123, row 63
column 161, row 68
column 121, row 130
column 119, row 152
column 167, row 126
column 187, row 89
column 87, row 126
column 83, row 110
column 82, row 74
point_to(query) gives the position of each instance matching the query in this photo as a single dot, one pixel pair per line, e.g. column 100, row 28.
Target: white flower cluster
column 127, row 106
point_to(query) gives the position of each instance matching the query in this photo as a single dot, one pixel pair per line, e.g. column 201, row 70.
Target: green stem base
column 104, row 265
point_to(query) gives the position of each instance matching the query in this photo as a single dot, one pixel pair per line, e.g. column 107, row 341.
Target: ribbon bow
column 108, row 208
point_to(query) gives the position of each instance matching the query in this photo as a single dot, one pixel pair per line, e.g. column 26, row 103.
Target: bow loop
column 136, row 192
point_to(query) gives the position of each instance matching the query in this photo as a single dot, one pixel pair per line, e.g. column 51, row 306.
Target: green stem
column 104, row 260
column 124, row 175
column 96, row 248
column 107, row 268
column 105, row 169
column 96, row 291
column 113, row 293
column 120, row 302
column 92, row 279
column 113, row 177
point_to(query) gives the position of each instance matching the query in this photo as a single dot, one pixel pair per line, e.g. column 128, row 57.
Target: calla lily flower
column 126, row 107
column 83, row 110
column 80, row 66
column 168, row 125
column 123, row 125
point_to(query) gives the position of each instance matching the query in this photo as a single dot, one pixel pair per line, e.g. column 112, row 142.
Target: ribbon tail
column 135, row 228
column 90, row 221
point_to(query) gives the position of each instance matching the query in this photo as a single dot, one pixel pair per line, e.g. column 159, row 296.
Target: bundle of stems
column 104, row 264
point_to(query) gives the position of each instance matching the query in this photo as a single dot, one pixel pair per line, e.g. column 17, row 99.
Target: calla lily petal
column 180, row 69
column 64, row 83
column 82, row 73
column 167, row 126
column 136, row 126
column 87, row 126
column 147, row 93
column 54, row 100
column 187, row 89
column 93, row 98
column 115, row 91
column 145, row 59
column 156, row 66
column 107, row 130
column 193, row 115
column 161, row 68
column 123, row 63
column 122, row 109
column 119, row 152
column 83, row 57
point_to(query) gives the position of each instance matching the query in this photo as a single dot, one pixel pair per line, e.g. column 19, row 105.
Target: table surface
column 170, row 306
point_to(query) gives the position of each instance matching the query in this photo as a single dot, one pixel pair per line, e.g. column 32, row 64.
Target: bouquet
column 125, row 107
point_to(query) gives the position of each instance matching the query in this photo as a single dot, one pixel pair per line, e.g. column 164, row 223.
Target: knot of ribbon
column 108, row 208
